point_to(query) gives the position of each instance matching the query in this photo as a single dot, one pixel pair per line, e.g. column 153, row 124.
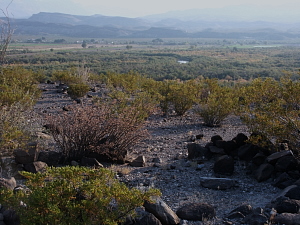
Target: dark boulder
column 196, row 212
column 264, row 172
column 224, row 165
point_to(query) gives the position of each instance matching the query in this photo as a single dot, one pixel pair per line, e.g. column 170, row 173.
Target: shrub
column 78, row 90
column 74, row 195
column 96, row 129
column 271, row 108
column 216, row 102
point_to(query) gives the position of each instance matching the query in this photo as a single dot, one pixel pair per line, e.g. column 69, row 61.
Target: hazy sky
column 130, row 8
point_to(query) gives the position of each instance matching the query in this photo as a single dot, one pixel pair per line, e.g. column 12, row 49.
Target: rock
column 287, row 219
column 28, row 154
column 272, row 159
column 197, row 151
column 138, row 162
column 215, row 138
column 10, row 168
column 286, row 163
column 283, row 180
column 162, row 211
column 90, row 162
column 35, row 167
column 230, row 148
column 196, row 212
column 245, row 209
column 10, row 217
column 224, row 165
column 8, row 183
column 52, row 158
column 215, row 150
column 256, row 219
column 199, row 136
column 264, row 172
column 293, row 193
column 247, row 152
column 157, row 160
column 240, row 139
column 148, row 219
column 287, row 206
column 217, row 183
column 259, row 159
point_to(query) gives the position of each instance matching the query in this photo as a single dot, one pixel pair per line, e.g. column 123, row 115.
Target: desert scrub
column 96, row 129
column 18, row 93
column 216, row 102
column 271, row 108
column 74, row 195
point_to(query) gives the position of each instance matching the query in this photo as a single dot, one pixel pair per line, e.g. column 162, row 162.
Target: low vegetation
column 74, row 195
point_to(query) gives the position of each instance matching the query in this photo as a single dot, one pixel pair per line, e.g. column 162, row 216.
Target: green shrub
column 216, row 102
column 88, row 129
column 271, row 108
column 78, row 90
column 74, row 195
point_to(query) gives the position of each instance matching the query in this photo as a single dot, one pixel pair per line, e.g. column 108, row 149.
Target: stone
column 35, row 167
column 215, row 138
column 240, row 139
column 52, row 158
column 272, row 159
column 28, row 154
column 10, row 217
column 8, row 183
column 224, row 165
column 90, row 162
column 282, row 180
column 264, row 172
column 256, row 219
column 247, row 152
column 215, row 150
column 10, row 168
column 259, row 159
column 197, row 151
column 286, row 163
column 230, row 148
column 293, row 193
column 196, row 212
column 148, row 219
column 287, row 206
column 217, row 183
column 140, row 161
column 287, row 219
column 245, row 209
column 162, row 211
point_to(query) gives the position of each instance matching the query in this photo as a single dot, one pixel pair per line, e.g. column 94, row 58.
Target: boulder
column 264, row 172
column 216, row 150
column 293, row 193
column 196, row 212
column 10, row 217
column 35, row 167
column 197, row 151
column 272, row 159
column 247, row 152
column 287, row 219
column 259, row 159
column 256, row 219
column 52, row 158
column 140, row 161
column 10, row 168
column 162, row 211
column 283, row 180
column 8, row 183
column 215, row 138
column 148, row 219
column 287, row 206
column 245, row 209
column 240, row 139
column 217, row 183
column 286, row 163
column 28, row 154
column 224, row 165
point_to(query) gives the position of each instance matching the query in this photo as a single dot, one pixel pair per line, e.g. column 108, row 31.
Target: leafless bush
column 97, row 130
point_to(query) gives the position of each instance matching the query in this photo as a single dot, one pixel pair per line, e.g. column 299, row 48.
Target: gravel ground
column 176, row 177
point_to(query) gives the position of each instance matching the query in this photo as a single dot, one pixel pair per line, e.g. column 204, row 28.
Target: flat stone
column 217, row 183
column 277, row 155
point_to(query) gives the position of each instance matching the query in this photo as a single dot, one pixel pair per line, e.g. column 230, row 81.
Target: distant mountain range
column 190, row 23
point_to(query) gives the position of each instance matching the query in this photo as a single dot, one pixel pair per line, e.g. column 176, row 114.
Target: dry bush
column 95, row 130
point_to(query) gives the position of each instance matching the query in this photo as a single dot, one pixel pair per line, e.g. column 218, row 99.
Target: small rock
column 138, row 162
column 217, row 183
column 196, row 212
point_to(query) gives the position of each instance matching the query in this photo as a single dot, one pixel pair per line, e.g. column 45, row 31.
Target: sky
column 130, row 8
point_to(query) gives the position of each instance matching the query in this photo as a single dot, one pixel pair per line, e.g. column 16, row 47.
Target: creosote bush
column 74, row 195
column 96, row 129
column 271, row 108
column 216, row 102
